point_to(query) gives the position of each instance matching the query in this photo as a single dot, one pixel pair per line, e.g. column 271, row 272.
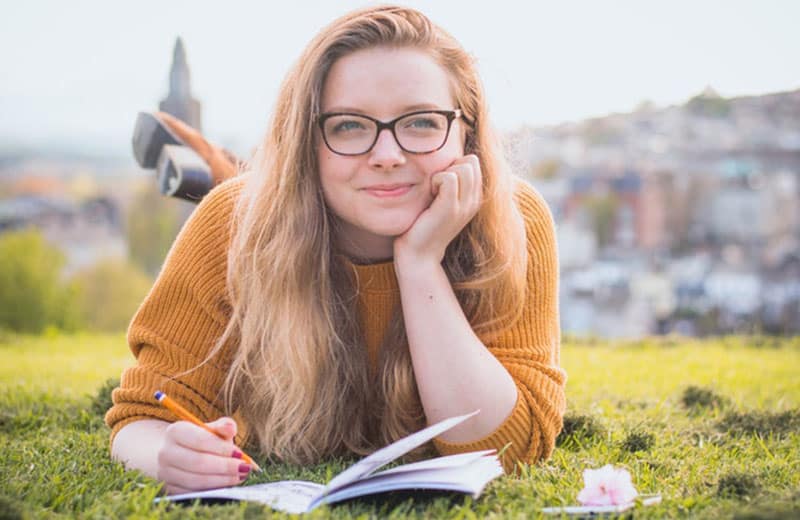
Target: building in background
column 179, row 101
column 86, row 231
column 684, row 219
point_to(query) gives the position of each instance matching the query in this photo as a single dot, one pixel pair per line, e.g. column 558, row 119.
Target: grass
column 711, row 425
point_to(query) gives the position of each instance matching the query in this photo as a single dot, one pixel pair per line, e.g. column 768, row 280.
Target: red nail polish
column 236, row 454
column 242, row 477
column 244, row 468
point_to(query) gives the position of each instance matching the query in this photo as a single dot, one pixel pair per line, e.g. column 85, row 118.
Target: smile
column 389, row 190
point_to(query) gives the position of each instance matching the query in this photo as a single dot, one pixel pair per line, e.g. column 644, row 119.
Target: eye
column 347, row 125
column 424, row 123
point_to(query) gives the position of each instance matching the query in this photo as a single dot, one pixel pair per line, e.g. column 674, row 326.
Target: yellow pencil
column 186, row 415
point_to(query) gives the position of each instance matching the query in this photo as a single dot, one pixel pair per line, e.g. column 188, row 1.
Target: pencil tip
column 159, row 395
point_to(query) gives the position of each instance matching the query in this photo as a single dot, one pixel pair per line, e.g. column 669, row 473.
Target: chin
column 391, row 223
column 390, row 229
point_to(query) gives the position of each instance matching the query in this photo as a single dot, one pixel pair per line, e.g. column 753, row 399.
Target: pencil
column 173, row 406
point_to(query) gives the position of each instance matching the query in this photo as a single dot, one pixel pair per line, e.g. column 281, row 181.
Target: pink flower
column 606, row 486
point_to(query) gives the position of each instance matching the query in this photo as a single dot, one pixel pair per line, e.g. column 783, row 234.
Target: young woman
column 376, row 270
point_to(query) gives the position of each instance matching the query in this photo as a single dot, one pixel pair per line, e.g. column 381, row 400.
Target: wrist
column 416, row 268
column 407, row 257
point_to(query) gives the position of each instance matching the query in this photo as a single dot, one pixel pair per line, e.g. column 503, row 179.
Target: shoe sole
column 149, row 137
column 183, row 174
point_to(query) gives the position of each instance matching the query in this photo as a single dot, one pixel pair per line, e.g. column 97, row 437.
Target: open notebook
column 463, row 473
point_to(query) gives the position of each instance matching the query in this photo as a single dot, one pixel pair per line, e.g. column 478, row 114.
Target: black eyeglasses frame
column 451, row 116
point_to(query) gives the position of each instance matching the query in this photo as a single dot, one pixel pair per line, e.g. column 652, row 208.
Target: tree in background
column 709, row 104
column 153, row 223
column 33, row 295
column 108, row 294
column 546, row 169
column 603, row 212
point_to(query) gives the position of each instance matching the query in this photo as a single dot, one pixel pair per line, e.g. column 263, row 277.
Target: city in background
column 680, row 218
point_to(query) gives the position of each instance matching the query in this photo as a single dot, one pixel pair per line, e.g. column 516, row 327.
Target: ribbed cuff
column 516, row 429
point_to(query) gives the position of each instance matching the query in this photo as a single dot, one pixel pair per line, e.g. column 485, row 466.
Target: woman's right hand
column 192, row 459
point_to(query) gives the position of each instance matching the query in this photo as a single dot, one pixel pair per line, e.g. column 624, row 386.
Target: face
column 378, row 195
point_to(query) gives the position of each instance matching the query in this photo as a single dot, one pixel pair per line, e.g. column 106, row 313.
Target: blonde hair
column 300, row 376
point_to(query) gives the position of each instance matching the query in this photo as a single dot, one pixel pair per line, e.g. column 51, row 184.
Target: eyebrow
column 407, row 108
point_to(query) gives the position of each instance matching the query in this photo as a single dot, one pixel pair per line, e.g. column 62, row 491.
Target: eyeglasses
column 419, row 132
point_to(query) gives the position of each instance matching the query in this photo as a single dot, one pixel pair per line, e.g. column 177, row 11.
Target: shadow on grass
column 773, row 510
column 638, row 440
column 10, row 509
column 101, row 401
column 698, row 398
column 578, row 431
column 737, row 485
column 760, row 422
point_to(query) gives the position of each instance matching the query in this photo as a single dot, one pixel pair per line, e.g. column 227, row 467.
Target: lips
column 388, row 190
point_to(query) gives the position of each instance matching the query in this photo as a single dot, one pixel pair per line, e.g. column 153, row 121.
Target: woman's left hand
column 457, row 195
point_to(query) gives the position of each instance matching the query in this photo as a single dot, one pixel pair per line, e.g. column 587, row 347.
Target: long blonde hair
column 300, row 376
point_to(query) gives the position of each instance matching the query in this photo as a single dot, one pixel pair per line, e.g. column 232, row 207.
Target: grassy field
column 711, row 425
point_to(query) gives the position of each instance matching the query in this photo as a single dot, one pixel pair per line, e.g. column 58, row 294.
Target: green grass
column 711, row 425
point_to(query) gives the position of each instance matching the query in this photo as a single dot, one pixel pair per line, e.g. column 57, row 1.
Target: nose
column 386, row 154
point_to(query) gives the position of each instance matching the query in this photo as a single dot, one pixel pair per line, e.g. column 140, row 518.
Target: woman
column 377, row 270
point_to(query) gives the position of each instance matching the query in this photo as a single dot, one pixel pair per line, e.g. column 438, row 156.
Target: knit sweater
column 185, row 312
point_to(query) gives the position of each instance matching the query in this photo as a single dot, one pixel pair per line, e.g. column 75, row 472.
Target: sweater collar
column 378, row 277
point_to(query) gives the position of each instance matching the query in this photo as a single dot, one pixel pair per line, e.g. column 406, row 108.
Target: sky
column 74, row 74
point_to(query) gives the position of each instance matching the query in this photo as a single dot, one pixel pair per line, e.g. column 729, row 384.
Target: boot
column 223, row 164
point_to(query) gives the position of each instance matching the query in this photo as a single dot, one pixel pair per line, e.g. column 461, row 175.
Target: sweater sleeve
column 529, row 350
column 179, row 322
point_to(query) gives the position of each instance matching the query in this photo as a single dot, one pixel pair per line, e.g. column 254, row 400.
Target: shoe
column 223, row 164
column 182, row 173
column 149, row 137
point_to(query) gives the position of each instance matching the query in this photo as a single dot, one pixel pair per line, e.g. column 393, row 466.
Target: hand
column 192, row 459
column 457, row 195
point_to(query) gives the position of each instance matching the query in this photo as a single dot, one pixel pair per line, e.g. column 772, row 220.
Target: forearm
column 454, row 370
column 137, row 444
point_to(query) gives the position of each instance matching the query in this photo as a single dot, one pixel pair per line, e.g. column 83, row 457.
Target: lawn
column 712, row 425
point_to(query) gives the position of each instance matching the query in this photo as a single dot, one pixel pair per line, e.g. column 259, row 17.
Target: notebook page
column 383, row 456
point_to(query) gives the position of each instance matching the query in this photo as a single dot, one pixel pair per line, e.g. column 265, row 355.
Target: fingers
column 224, row 426
column 457, row 194
column 445, row 185
column 191, row 461
column 192, row 458
column 183, row 460
column 468, row 169
column 468, row 191
column 175, row 490
column 190, row 436
column 179, row 481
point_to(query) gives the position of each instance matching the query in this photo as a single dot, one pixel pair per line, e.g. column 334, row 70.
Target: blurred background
column 664, row 135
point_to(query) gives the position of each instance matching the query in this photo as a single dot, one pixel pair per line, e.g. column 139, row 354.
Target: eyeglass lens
column 417, row 133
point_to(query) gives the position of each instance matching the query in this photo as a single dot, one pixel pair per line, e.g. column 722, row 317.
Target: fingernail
column 242, row 477
column 236, row 454
column 244, row 468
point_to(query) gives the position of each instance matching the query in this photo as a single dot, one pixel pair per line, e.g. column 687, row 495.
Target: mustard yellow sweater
column 184, row 313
